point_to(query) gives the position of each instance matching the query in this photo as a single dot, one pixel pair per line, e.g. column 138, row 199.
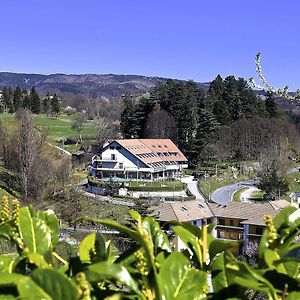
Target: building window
column 231, row 235
column 240, row 236
column 221, row 234
column 221, row 221
column 113, row 156
column 231, row 222
column 121, row 165
column 112, row 147
column 118, row 147
column 258, row 230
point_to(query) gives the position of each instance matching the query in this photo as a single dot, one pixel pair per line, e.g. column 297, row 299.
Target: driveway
column 193, row 187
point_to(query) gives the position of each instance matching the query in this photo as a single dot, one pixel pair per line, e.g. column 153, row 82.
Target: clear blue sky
column 187, row 39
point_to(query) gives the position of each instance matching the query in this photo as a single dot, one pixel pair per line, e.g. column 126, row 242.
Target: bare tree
column 105, row 131
column 29, row 142
column 77, row 124
column 160, row 125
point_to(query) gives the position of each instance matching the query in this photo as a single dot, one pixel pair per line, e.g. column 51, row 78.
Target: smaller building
column 237, row 221
column 142, row 159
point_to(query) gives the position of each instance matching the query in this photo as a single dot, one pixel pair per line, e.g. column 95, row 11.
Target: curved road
column 224, row 194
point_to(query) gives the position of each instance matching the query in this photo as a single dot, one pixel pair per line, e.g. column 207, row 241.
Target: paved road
column 223, row 195
column 193, row 187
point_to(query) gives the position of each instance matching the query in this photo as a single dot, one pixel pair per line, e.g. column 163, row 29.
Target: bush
column 150, row 269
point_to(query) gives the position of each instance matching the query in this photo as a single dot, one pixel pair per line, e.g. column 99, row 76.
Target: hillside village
column 173, row 179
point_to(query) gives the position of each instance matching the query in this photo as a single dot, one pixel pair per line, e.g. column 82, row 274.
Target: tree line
column 194, row 118
column 14, row 99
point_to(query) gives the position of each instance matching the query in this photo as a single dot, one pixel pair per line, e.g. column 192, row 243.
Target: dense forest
column 228, row 122
column 14, row 99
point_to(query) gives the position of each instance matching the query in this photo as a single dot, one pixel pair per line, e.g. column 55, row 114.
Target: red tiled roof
column 153, row 150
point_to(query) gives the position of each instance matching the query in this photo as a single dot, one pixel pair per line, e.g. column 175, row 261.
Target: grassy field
column 58, row 128
column 237, row 195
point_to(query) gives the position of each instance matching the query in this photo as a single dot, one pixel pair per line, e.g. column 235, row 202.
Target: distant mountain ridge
column 90, row 85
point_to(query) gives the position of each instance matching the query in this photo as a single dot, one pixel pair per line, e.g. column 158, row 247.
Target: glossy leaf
column 52, row 222
column 106, row 271
column 26, row 288
column 179, row 280
column 34, row 232
column 218, row 246
column 5, row 263
column 55, row 284
column 93, row 248
column 190, row 241
column 37, row 259
column 6, row 229
column 158, row 237
column 218, row 273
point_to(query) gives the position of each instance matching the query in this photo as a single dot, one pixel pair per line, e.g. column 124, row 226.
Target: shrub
column 150, row 269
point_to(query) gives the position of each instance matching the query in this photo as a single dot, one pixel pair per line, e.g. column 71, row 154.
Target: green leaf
column 293, row 296
column 27, row 288
column 86, row 247
column 37, row 259
column 179, row 280
column 190, row 240
column 93, row 248
column 55, row 284
column 218, row 273
column 242, row 274
column 6, row 229
column 115, row 225
column 135, row 215
column 52, row 222
column 34, row 232
column 218, row 246
column 106, row 271
column 5, row 263
column 158, row 237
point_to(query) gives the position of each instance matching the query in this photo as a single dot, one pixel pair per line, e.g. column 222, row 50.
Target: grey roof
column 183, row 211
column 249, row 212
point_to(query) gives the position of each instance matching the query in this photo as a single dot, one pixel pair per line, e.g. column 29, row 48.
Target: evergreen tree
column 17, row 99
column 7, row 98
column 221, row 112
column 55, row 105
column 127, row 117
column 207, row 125
column 26, row 101
column 35, row 102
column 271, row 182
column 271, row 107
column 46, row 104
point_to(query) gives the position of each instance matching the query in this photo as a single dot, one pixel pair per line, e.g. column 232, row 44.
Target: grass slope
column 57, row 128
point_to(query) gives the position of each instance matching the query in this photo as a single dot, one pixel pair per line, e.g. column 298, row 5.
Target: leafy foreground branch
column 150, row 269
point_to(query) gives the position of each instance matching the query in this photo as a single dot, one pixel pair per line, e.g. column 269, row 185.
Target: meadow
column 58, row 129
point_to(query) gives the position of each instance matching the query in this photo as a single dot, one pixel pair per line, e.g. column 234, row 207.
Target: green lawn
column 237, row 195
column 294, row 181
column 58, row 128
column 61, row 128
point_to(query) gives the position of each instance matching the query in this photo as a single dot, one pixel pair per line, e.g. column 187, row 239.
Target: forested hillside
column 89, row 85
column 228, row 122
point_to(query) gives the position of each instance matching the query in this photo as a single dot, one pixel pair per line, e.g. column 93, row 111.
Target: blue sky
column 188, row 39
